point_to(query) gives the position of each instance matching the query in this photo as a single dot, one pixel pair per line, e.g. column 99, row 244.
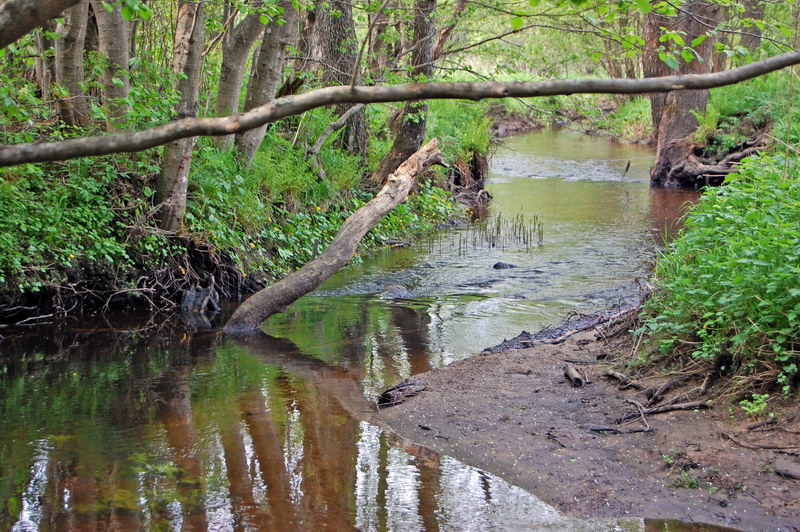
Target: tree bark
column 174, row 178
column 673, row 118
column 280, row 295
column 45, row 65
column 754, row 9
column 114, row 37
column 74, row 109
column 235, row 51
column 11, row 155
column 414, row 118
column 267, row 75
column 18, row 17
column 337, row 46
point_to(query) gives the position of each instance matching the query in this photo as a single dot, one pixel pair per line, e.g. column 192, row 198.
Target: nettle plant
column 729, row 283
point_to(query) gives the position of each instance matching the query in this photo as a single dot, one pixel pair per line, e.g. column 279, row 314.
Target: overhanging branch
column 293, row 105
column 18, row 17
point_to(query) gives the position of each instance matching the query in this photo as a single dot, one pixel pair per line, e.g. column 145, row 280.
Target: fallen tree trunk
column 280, row 295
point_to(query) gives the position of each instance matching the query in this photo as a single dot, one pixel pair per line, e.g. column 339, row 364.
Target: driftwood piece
column 624, row 381
column 397, row 394
column 656, row 394
column 785, row 473
column 573, row 376
column 280, row 295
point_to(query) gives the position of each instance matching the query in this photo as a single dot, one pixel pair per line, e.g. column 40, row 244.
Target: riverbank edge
column 512, row 413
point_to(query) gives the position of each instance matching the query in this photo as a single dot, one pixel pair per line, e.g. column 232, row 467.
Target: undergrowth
column 727, row 291
column 61, row 223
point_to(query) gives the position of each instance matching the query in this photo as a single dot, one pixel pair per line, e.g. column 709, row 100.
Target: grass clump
column 727, row 288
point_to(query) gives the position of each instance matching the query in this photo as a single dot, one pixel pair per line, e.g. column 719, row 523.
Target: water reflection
column 169, row 429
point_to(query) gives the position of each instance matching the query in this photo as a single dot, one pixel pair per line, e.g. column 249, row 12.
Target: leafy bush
column 729, row 283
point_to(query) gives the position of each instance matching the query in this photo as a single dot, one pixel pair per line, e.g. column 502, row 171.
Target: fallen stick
column 613, row 430
column 599, row 320
column 702, row 389
column 640, row 408
column 787, row 474
column 758, row 447
column 623, row 380
column 572, row 375
column 666, row 408
column 655, row 394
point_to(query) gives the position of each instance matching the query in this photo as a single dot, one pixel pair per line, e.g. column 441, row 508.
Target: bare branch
column 18, row 17
column 297, row 104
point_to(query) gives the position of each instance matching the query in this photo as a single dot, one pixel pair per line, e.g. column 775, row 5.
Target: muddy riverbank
column 514, row 414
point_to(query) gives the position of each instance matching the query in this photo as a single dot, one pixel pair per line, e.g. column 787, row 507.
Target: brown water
column 140, row 422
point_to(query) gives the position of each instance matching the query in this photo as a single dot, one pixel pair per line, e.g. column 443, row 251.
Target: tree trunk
column 267, row 74
column 188, row 60
column 235, row 51
column 45, row 62
column 114, row 40
column 413, row 120
column 673, row 119
column 337, row 46
column 74, row 109
column 754, row 9
column 280, row 295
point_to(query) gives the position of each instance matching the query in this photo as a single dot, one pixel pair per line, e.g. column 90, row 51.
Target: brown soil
column 514, row 414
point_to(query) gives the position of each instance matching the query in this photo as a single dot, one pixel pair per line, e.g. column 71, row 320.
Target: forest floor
column 513, row 413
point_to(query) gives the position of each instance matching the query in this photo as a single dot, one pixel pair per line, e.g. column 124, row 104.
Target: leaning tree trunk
column 174, row 178
column 74, row 109
column 278, row 296
column 235, row 52
column 266, row 76
column 114, row 40
column 414, row 117
column 337, row 46
column 673, row 119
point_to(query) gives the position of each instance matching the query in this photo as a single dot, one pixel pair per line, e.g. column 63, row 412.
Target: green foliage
column 739, row 112
column 461, row 127
column 50, row 225
column 631, row 121
column 757, row 406
column 729, row 282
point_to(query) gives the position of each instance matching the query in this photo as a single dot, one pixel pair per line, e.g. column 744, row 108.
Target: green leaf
column 699, row 40
column 127, row 12
column 687, row 55
column 670, row 60
column 517, row 23
column 534, row 3
column 644, row 6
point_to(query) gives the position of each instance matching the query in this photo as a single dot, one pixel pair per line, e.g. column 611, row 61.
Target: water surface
column 141, row 422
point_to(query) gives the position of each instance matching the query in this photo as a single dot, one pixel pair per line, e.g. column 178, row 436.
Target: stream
column 132, row 422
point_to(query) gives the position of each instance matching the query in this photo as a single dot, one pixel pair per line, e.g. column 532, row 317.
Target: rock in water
column 503, row 266
column 396, row 291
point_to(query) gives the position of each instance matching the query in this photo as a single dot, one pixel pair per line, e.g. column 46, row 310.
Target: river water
column 141, row 422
